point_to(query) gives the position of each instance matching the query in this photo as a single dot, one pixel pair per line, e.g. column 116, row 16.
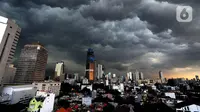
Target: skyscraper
column 59, row 71
column 141, row 76
column 90, row 65
column 31, row 64
column 129, row 76
column 76, row 77
column 9, row 35
column 161, row 77
column 136, row 75
column 99, row 71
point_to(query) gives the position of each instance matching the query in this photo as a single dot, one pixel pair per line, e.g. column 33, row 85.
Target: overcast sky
column 125, row 34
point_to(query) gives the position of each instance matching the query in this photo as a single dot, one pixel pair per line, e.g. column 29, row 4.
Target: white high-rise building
column 141, row 76
column 99, row 71
column 136, row 76
column 161, row 77
column 129, row 76
column 9, row 35
column 59, row 70
column 76, row 76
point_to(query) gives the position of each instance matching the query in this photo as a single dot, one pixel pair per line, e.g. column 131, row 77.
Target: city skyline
column 125, row 35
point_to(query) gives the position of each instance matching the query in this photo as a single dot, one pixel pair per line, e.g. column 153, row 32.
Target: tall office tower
column 90, row 65
column 99, row 71
column 141, row 76
column 136, row 75
column 59, row 71
column 32, row 63
column 161, row 77
column 9, row 35
column 76, row 76
column 129, row 76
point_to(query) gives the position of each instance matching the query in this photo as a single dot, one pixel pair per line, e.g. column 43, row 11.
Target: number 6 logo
column 184, row 14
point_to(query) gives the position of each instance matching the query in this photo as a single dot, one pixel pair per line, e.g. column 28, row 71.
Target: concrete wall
column 9, row 74
column 19, row 93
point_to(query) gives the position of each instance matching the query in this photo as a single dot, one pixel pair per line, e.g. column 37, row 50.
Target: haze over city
column 124, row 34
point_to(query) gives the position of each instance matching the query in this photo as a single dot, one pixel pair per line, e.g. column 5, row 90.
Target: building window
column 43, row 86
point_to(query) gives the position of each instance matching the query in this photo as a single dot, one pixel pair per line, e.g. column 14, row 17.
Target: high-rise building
column 32, row 63
column 129, row 76
column 9, row 35
column 141, row 76
column 76, row 77
column 136, row 76
column 90, row 65
column 161, row 77
column 59, row 71
column 99, row 71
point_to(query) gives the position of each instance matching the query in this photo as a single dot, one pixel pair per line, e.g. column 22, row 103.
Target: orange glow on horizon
column 185, row 74
column 189, row 75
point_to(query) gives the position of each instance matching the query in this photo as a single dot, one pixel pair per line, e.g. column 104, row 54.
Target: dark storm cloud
column 163, row 16
column 111, row 9
column 186, row 2
column 125, row 34
column 52, row 3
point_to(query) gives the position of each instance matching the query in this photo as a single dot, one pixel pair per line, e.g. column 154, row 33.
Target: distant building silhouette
column 141, row 76
column 161, row 77
column 197, row 77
